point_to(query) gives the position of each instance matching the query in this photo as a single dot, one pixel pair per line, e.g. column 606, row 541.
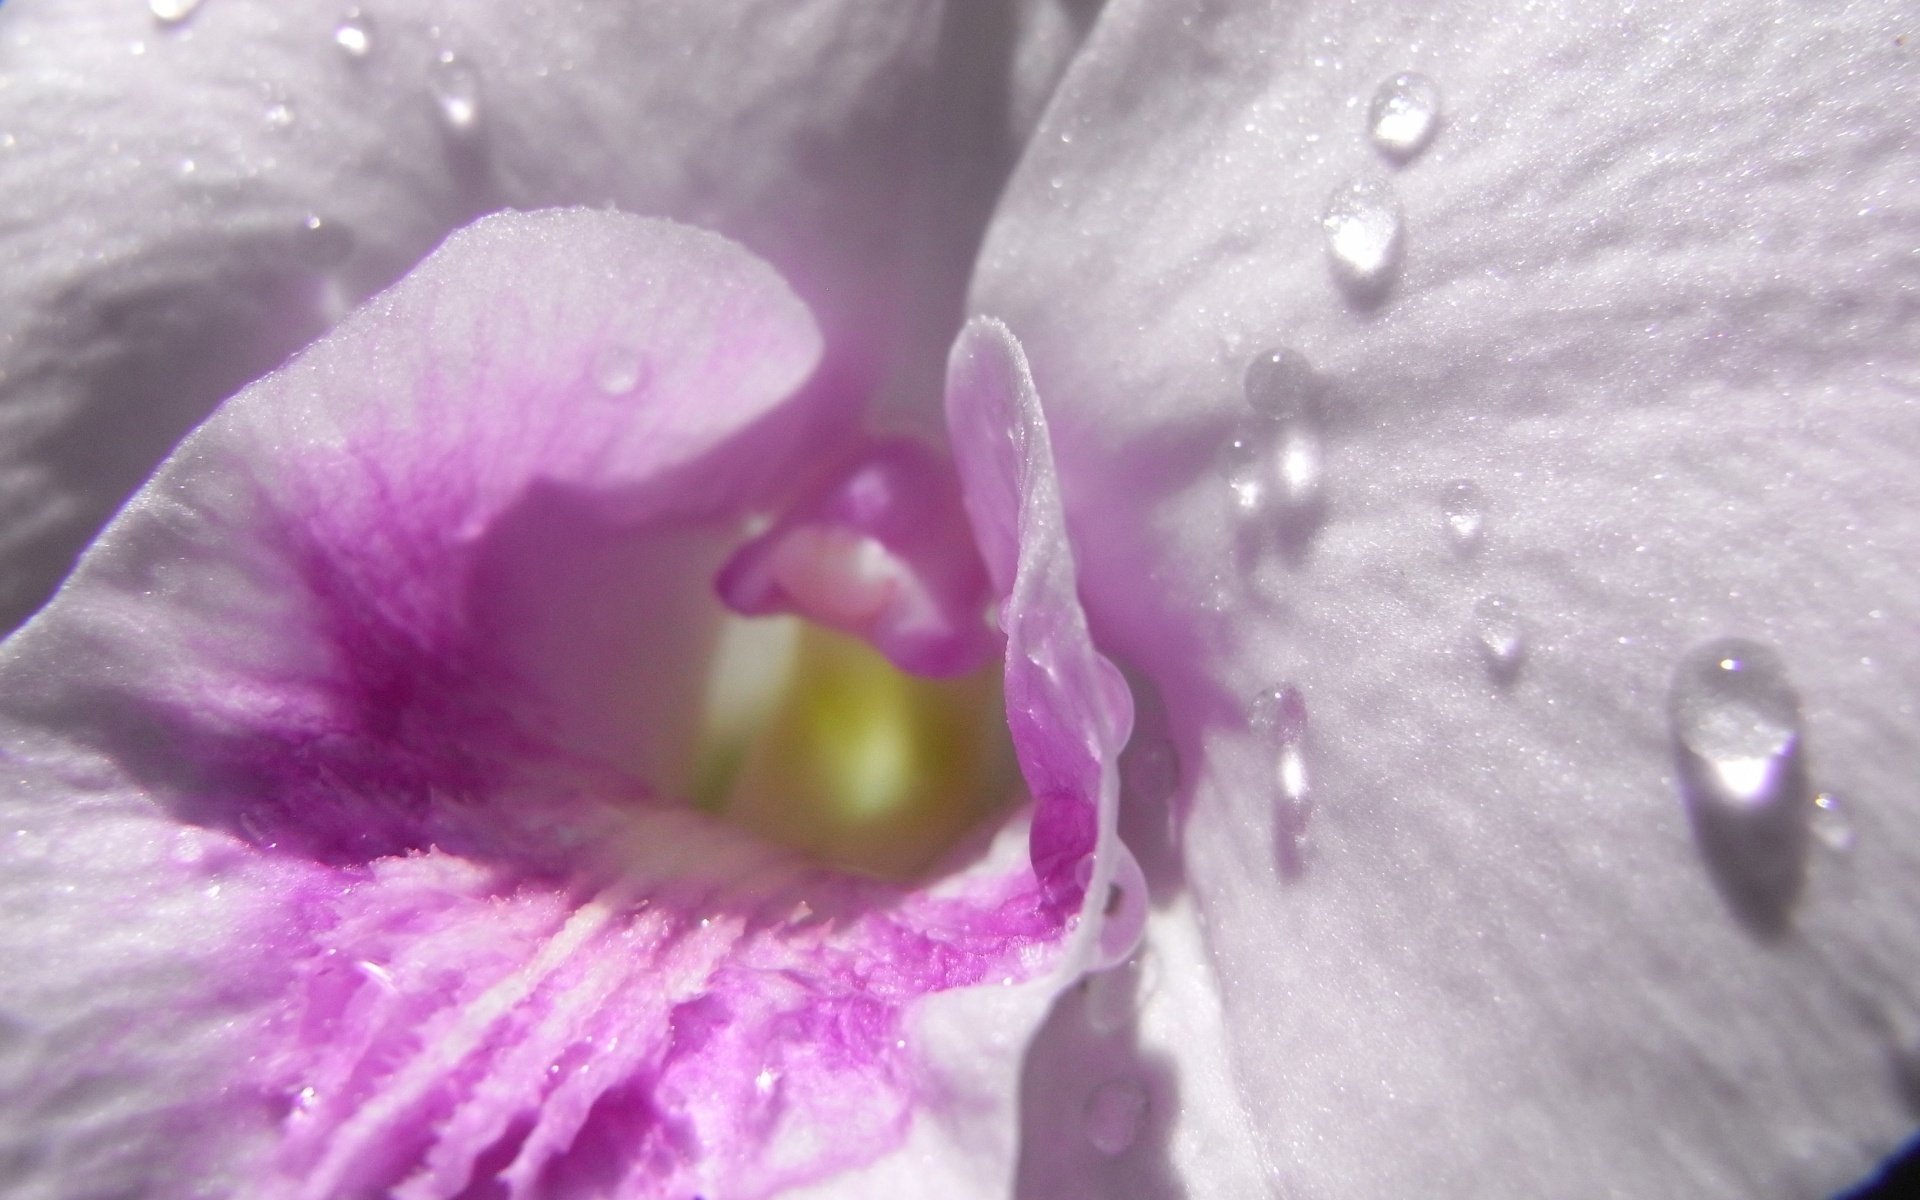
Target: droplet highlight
column 354, row 34
column 1277, row 466
column 1736, row 725
column 1115, row 1112
column 1404, row 115
column 1501, row 635
column 617, row 369
column 1365, row 231
column 172, row 12
column 1463, row 514
column 1831, row 823
column 456, row 92
column 1279, row 717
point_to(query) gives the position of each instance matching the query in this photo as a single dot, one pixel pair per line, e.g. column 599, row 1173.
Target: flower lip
column 294, row 635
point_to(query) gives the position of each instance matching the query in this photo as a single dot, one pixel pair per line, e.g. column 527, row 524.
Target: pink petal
column 335, row 880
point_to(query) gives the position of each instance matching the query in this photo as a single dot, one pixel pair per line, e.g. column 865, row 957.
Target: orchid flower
column 1415, row 394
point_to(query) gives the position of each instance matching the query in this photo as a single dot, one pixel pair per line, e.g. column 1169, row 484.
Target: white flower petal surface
column 189, row 200
column 1653, row 296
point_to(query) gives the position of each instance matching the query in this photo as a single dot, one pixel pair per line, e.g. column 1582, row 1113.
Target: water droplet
column 1280, row 716
column 1281, row 385
column 1279, row 469
column 1114, row 1114
column 1365, row 237
column 1501, row 636
column 354, row 34
column 1465, row 514
column 1404, row 115
column 324, row 243
column 617, row 369
column 172, row 12
column 1735, row 721
column 456, row 90
column 279, row 116
column 1831, row 823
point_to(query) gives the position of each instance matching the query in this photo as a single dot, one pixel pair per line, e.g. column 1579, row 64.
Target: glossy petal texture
column 333, row 876
column 188, row 202
column 1656, row 302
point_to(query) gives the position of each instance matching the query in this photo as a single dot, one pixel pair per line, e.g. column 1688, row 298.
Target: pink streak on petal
column 882, row 551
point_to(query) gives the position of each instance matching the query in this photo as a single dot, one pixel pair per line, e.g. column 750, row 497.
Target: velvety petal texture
column 347, row 858
column 1614, row 359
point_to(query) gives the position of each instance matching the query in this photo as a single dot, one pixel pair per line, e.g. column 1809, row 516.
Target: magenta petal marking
column 881, row 551
column 496, row 964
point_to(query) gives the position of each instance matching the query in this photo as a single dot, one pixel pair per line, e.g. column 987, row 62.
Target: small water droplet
column 1404, row 115
column 1464, row 514
column 172, row 12
column 324, row 243
column 1365, row 237
column 617, row 369
column 1831, row 823
column 456, row 90
column 354, row 34
column 1280, row 716
column 1114, row 1114
column 1501, row 635
column 1736, row 726
column 1281, row 385
column 279, row 116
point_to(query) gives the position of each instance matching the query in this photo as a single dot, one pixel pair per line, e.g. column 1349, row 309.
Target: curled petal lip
column 455, row 939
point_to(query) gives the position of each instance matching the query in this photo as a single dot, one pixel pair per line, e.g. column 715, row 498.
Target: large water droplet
column 354, row 34
column 1736, row 726
column 456, row 90
column 1404, row 115
column 1279, row 716
column 172, row 12
column 1464, row 514
column 1114, row 1114
column 1365, row 237
column 1501, row 635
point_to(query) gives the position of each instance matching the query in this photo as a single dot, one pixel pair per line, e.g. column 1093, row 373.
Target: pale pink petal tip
column 880, row 551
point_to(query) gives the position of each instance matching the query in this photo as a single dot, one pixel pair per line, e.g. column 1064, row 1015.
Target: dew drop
column 324, row 243
column 279, row 116
column 172, row 12
column 456, row 90
column 1404, row 115
column 1281, row 385
column 1365, row 237
column 617, row 369
column 1831, row 823
column 1501, row 635
column 1464, row 514
column 1279, row 716
column 1736, row 727
column 1114, row 1114
column 1279, row 466
column 354, row 34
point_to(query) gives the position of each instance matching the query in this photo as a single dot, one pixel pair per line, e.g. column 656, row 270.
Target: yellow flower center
column 814, row 740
